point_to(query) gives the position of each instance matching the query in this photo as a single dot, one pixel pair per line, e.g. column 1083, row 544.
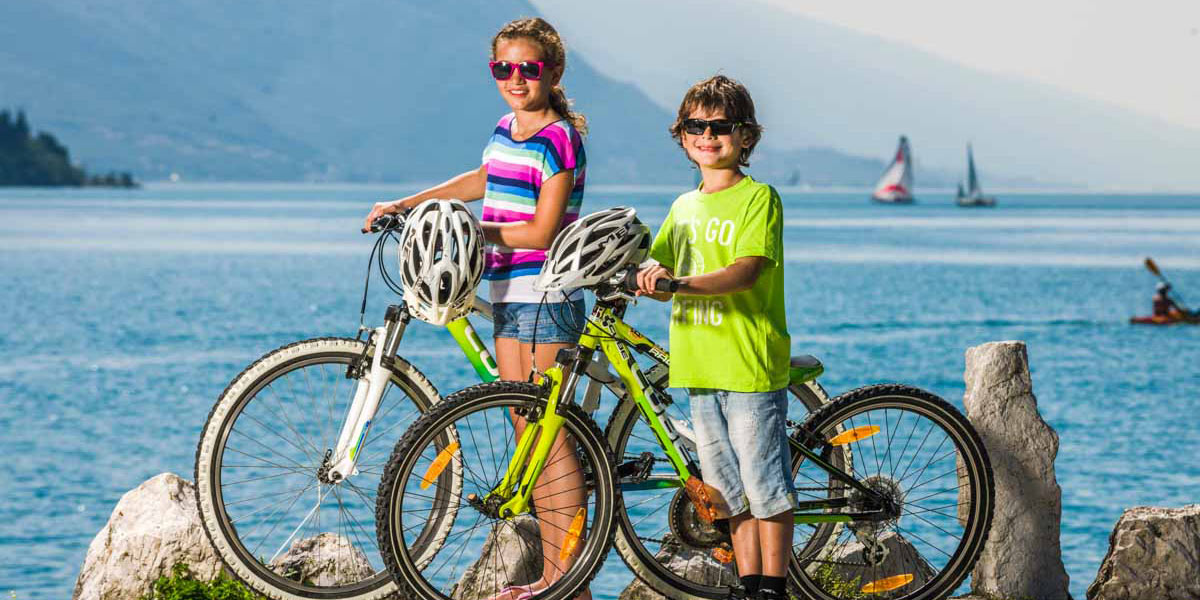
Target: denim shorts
column 741, row 438
column 557, row 322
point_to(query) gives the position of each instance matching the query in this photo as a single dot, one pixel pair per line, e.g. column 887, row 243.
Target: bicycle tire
column 419, row 446
column 918, row 570
column 276, row 376
column 632, row 538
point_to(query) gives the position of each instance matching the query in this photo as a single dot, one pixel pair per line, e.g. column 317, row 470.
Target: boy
column 729, row 340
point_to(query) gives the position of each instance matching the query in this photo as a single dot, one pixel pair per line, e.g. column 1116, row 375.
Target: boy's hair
column 554, row 54
column 721, row 93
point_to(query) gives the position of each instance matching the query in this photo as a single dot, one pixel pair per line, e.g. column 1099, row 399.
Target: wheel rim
column 480, row 436
column 926, row 468
column 265, row 485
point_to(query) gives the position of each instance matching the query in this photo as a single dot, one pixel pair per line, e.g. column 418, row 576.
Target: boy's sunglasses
column 503, row 70
column 719, row 126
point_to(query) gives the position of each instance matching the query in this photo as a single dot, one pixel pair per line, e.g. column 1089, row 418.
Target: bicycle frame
column 607, row 332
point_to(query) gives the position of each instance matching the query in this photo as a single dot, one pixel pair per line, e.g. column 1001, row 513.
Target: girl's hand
column 646, row 278
column 380, row 209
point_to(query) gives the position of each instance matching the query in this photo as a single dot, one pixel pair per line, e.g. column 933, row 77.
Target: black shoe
column 737, row 592
column 764, row 594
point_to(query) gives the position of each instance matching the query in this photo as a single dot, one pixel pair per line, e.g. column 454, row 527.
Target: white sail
column 896, row 183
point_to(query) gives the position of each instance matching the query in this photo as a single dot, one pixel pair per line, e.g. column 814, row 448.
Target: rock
column 1022, row 557
column 153, row 527
column 325, row 559
column 898, row 556
column 695, row 565
column 1152, row 553
column 512, row 555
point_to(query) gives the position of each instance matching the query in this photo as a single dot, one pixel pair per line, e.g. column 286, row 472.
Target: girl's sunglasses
column 719, row 126
column 503, row 70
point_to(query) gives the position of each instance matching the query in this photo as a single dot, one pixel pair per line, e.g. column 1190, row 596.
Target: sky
column 1142, row 55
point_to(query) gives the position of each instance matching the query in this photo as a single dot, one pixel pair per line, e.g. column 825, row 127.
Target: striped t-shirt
column 515, row 172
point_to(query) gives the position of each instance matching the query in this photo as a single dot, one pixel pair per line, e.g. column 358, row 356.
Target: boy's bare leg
column 745, row 531
column 775, row 536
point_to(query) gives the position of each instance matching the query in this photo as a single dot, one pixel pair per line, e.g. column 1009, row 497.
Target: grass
column 182, row 585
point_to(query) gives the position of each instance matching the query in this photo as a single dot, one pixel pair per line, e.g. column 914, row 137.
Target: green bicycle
column 895, row 486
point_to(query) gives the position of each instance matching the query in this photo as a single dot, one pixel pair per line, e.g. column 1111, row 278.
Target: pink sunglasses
column 503, row 70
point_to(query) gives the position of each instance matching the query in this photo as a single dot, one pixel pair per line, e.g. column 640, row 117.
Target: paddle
column 1153, row 268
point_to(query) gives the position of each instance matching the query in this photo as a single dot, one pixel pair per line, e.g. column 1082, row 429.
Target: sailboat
column 974, row 194
column 895, row 186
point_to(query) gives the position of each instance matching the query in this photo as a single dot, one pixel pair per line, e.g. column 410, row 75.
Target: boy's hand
column 646, row 278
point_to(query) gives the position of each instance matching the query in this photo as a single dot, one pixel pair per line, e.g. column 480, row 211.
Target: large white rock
column 153, row 527
column 697, row 566
column 326, row 559
column 1022, row 558
column 1152, row 553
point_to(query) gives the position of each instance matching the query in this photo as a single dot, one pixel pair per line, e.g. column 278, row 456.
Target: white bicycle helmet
column 441, row 260
column 593, row 249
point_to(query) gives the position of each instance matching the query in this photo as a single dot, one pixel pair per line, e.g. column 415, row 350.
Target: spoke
column 268, row 449
column 298, row 467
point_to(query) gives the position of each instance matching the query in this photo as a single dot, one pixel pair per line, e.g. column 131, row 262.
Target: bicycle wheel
column 660, row 537
column 928, row 516
column 485, row 553
column 274, row 522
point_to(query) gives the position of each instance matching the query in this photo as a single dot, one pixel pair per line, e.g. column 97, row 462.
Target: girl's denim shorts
column 549, row 323
column 741, row 438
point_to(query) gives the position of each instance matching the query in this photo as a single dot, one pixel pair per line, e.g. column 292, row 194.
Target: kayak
column 1160, row 320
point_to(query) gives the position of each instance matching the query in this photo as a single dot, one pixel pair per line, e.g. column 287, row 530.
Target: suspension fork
column 372, row 382
column 533, row 449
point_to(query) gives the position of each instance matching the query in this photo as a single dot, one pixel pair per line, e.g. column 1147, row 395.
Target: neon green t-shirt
column 737, row 342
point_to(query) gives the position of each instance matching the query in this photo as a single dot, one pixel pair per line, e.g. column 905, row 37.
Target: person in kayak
column 1164, row 305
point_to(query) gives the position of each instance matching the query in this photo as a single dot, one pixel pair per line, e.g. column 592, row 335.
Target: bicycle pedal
column 709, row 504
column 722, row 555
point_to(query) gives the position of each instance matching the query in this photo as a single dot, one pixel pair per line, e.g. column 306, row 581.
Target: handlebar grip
column 381, row 223
column 662, row 285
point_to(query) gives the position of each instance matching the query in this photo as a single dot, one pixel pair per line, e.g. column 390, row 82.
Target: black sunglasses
column 719, row 126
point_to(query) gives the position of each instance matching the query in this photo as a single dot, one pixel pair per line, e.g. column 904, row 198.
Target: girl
column 531, row 182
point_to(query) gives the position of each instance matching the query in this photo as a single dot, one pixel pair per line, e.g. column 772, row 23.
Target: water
column 127, row 312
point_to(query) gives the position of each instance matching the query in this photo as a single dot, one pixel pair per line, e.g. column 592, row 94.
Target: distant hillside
column 41, row 160
column 393, row 90
column 820, row 85
column 313, row 90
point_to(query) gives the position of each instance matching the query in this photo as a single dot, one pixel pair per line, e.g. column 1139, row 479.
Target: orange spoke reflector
column 723, row 555
column 573, row 533
column 439, row 464
column 888, row 583
column 858, row 433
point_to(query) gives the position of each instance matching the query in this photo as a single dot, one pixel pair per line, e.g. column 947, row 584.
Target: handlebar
column 385, row 222
column 661, row 285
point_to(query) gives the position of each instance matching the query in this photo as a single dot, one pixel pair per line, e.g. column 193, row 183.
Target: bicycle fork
column 342, row 460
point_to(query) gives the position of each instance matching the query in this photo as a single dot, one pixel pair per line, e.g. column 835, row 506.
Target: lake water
column 127, row 312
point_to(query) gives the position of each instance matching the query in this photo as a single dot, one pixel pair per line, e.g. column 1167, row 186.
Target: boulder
column 1022, row 557
column 512, row 555
column 695, row 565
column 1152, row 553
column 892, row 555
column 153, row 527
column 325, row 559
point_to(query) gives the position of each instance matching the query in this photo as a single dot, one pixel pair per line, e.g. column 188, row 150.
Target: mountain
column 821, row 85
column 392, row 90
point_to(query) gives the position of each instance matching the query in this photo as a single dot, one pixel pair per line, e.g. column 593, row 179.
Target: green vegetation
column 181, row 585
column 26, row 159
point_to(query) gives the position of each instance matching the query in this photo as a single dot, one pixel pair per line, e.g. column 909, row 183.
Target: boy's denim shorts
column 557, row 322
column 741, row 438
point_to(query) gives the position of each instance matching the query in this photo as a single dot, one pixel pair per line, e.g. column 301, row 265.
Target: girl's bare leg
column 562, row 494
